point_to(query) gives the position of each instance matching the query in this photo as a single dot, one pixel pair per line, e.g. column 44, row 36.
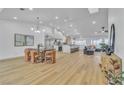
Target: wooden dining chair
column 49, row 56
column 27, row 54
column 39, row 57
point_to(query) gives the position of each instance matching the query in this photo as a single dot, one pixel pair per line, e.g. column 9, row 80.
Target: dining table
column 31, row 53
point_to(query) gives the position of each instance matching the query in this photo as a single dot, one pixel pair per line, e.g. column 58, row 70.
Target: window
column 29, row 40
column 23, row 40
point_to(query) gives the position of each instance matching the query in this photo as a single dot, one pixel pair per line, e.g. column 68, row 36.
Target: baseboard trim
column 13, row 58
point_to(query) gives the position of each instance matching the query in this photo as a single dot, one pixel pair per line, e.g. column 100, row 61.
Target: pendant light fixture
column 36, row 29
column 38, row 25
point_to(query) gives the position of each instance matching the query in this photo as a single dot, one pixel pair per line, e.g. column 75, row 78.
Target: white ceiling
column 70, row 20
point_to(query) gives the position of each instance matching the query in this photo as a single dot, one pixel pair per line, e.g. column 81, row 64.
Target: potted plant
column 114, row 79
column 103, row 46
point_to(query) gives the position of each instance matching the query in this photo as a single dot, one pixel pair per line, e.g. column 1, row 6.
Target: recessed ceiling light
column 15, row 18
column 102, row 31
column 70, row 25
column 30, row 9
column 93, row 10
column 32, row 28
column 93, row 22
column 60, row 33
column 43, row 30
column 56, row 17
column 37, row 31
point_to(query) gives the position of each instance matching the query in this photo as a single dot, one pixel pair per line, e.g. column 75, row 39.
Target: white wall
column 7, row 31
column 116, row 16
column 88, row 40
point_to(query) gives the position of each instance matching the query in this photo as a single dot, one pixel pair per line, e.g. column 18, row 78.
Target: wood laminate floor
column 75, row 68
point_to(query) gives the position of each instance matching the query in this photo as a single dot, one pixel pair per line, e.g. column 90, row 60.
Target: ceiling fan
column 103, row 30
